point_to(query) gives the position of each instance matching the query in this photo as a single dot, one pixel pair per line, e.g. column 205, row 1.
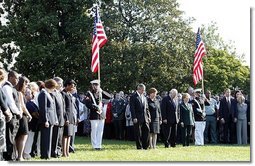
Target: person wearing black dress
column 155, row 113
column 22, row 135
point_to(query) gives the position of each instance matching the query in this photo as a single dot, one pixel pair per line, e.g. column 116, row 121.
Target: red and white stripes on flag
column 98, row 41
column 199, row 53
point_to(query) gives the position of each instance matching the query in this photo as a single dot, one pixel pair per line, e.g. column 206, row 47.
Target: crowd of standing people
column 178, row 118
column 42, row 118
column 37, row 118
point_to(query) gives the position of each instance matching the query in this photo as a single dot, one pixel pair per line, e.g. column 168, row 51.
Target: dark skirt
column 154, row 127
column 23, row 126
column 68, row 130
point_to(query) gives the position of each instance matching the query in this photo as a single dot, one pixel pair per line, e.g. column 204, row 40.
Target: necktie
column 142, row 98
column 229, row 104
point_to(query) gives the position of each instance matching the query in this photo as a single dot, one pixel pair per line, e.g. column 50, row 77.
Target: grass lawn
column 126, row 151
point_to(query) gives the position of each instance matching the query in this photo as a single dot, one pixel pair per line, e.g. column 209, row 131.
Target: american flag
column 98, row 41
column 199, row 53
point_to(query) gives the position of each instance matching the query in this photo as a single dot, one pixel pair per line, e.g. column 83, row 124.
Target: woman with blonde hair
column 241, row 125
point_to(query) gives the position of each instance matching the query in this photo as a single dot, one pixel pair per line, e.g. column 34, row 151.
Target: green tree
column 149, row 42
column 52, row 38
column 222, row 70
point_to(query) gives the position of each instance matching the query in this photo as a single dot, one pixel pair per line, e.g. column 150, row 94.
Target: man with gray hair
column 170, row 118
column 141, row 117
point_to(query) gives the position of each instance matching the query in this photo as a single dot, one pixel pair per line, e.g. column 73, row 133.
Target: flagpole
column 203, row 89
column 100, row 89
column 99, row 77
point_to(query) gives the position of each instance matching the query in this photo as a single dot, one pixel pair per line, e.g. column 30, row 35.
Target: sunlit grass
column 126, row 151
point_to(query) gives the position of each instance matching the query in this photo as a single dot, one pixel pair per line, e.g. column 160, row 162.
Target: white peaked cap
column 198, row 90
column 95, row 82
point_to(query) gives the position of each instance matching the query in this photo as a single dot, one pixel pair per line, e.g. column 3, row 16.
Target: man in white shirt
column 12, row 101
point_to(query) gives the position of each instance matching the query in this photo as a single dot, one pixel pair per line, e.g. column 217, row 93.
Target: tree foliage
column 148, row 41
column 153, row 45
column 52, row 37
column 223, row 70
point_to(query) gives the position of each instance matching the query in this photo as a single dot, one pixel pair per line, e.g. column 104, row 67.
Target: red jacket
column 108, row 113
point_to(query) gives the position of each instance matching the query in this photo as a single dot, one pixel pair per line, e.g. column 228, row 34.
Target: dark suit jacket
column 138, row 109
column 76, row 105
column 168, row 110
column 69, row 106
column 47, row 109
column 32, row 107
column 119, row 107
column 224, row 110
column 186, row 114
column 60, row 107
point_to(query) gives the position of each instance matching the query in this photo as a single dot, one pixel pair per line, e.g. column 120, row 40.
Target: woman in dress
column 69, row 115
column 155, row 113
column 22, row 134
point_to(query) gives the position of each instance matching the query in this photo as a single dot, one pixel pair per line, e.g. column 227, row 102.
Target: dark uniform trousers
column 142, row 135
column 186, row 131
column 229, row 133
column 170, row 132
column 46, row 136
column 11, row 132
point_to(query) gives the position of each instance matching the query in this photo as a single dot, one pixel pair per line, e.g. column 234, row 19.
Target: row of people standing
column 234, row 115
column 14, row 129
column 195, row 114
column 29, row 113
column 57, row 117
column 148, row 114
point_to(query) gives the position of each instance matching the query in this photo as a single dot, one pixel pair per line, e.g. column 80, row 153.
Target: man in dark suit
column 170, row 118
column 227, row 117
column 141, row 117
